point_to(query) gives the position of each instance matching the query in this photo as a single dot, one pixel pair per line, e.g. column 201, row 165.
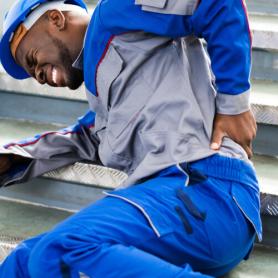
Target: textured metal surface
column 89, row 174
column 266, row 114
column 269, row 204
column 109, row 178
column 7, row 244
column 264, row 99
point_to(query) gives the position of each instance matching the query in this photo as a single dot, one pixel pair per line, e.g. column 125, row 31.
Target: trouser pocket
column 248, row 201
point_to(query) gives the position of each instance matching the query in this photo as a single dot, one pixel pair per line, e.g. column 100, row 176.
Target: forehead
column 34, row 38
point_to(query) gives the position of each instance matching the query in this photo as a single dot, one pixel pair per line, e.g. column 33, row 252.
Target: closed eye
column 30, row 61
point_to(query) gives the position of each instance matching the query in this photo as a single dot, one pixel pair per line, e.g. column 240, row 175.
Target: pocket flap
column 176, row 7
column 152, row 3
column 109, row 69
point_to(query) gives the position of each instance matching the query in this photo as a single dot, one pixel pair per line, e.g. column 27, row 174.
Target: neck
column 77, row 25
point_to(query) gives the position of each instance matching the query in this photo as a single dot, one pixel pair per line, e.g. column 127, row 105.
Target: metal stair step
column 261, row 264
column 264, row 100
column 264, row 65
column 265, row 31
column 263, row 7
column 22, row 220
column 13, row 130
column 73, row 187
column 57, row 187
column 51, row 105
column 64, row 107
column 19, row 220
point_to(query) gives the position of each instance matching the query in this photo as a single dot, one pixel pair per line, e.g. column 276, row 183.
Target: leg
column 103, row 245
column 113, row 238
column 105, row 239
column 15, row 264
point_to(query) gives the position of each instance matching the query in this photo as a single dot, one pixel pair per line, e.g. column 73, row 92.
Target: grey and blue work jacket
column 151, row 89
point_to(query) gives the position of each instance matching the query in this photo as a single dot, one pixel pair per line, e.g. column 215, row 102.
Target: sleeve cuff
column 233, row 104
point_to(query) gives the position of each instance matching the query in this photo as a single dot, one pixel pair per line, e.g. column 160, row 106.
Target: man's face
column 48, row 59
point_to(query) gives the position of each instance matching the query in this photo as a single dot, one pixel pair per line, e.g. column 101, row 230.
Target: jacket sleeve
column 224, row 26
column 222, row 23
column 51, row 150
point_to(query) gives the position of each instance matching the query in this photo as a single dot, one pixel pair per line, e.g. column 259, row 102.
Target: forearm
column 33, row 157
column 224, row 25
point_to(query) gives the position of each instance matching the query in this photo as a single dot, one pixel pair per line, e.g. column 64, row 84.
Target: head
column 47, row 49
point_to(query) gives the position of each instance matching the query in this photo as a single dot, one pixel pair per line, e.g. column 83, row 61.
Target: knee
column 59, row 248
column 14, row 264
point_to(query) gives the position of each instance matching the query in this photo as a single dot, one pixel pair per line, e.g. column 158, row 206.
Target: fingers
column 248, row 149
column 217, row 139
column 5, row 164
column 249, row 152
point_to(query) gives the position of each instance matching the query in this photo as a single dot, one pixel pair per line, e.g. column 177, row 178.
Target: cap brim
column 8, row 62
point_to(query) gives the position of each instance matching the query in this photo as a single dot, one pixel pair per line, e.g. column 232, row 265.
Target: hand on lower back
column 240, row 128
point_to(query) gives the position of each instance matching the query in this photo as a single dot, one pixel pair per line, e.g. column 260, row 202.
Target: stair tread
column 264, row 96
column 267, row 23
column 266, row 166
column 20, row 129
column 261, row 264
column 265, row 31
column 21, row 220
column 264, row 101
column 264, row 93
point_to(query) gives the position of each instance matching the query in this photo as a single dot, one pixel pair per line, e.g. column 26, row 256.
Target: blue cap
column 15, row 16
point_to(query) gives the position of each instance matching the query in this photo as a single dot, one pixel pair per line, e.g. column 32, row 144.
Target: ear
column 57, row 18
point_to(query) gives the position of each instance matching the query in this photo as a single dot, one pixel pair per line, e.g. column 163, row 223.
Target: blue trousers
column 182, row 222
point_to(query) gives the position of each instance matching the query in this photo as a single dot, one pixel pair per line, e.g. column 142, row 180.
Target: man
column 193, row 209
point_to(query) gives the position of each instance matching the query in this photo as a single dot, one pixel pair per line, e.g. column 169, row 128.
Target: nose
column 39, row 75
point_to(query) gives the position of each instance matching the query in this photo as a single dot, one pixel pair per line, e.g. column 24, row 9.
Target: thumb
column 216, row 139
column 248, row 149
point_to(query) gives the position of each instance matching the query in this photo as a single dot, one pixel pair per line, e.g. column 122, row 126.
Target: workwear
column 195, row 227
column 150, row 90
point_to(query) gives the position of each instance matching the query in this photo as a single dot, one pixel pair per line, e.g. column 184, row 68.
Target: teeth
column 54, row 76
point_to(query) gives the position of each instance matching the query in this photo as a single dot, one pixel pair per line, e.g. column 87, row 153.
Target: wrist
column 227, row 104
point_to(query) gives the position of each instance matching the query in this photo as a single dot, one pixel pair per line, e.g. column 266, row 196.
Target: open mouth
column 54, row 75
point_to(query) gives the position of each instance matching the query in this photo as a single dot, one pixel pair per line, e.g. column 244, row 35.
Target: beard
column 74, row 76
